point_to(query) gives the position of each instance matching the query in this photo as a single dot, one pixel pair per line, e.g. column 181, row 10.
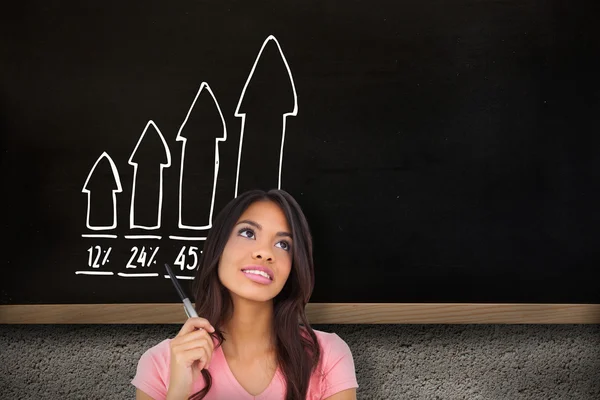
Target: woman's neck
column 249, row 331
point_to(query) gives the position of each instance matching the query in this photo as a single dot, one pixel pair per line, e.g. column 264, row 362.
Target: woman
column 252, row 339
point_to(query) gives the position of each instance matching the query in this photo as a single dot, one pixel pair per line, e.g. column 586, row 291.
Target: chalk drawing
column 138, row 275
column 153, row 129
column 190, row 278
column 94, row 273
column 118, row 189
column 204, row 89
column 92, row 235
column 175, row 237
column 242, row 115
column 188, row 256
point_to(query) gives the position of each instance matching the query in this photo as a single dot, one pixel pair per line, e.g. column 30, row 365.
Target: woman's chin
column 254, row 295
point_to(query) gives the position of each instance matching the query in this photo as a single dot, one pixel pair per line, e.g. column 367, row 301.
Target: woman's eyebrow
column 259, row 227
column 286, row 234
column 250, row 222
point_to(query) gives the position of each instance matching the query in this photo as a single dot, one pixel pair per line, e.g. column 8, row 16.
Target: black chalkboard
column 443, row 151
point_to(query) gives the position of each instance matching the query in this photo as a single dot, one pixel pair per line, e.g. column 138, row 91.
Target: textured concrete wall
column 392, row 361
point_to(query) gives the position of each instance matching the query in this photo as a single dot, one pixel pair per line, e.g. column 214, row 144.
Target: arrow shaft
column 261, row 154
column 146, row 198
column 102, row 211
column 196, row 191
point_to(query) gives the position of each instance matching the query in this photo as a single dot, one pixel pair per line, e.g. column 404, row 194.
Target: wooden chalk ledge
column 318, row 313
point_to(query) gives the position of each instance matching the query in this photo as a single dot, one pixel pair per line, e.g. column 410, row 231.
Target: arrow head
column 203, row 115
column 270, row 85
column 102, row 167
column 154, row 147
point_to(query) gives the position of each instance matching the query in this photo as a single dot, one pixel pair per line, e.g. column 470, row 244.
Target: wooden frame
column 318, row 313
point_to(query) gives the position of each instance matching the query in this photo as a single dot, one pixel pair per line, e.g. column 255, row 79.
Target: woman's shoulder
column 335, row 371
column 333, row 347
column 157, row 356
column 328, row 339
column 160, row 349
column 152, row 372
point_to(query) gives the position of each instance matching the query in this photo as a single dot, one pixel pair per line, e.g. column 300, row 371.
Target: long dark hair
column 297, row 348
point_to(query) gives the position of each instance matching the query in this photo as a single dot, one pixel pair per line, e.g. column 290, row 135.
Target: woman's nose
column 263, row 255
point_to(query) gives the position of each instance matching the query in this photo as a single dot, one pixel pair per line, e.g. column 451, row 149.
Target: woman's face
column 257, row 258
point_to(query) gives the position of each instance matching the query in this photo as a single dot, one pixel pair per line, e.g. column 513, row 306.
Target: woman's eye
column 247, row 233
column 283, row 245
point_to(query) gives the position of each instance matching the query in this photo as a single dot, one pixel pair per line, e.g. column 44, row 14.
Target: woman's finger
column 187, row 358
column 191, row 336
column 195, row 323
column 201, row 342
column 205, row 342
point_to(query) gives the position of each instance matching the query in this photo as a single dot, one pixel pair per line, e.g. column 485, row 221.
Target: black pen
column 187, row 304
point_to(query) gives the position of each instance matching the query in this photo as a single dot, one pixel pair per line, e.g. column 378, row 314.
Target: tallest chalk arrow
column 268, row 98
column 145, row 153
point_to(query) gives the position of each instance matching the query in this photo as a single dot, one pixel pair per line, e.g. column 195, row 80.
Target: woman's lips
column 257, row 278
column 256, row 273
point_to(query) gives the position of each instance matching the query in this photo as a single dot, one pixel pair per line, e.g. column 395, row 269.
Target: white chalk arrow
column 222, row 136
column 270, row 41
column 150, row 129
column 116, row 189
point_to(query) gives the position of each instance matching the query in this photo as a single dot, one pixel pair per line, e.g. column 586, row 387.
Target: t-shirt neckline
column 238, row 386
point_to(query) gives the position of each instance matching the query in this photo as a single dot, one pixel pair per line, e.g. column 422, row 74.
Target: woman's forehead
column 267, row 214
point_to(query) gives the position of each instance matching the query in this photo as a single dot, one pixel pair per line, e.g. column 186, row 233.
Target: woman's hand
column 191, row 351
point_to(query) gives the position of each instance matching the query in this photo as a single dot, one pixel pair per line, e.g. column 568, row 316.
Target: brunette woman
column 252, row 339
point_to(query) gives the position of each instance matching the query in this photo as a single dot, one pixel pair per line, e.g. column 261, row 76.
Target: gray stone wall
column 529, row 362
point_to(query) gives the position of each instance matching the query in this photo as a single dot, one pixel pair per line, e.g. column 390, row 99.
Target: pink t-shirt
column 334, row 374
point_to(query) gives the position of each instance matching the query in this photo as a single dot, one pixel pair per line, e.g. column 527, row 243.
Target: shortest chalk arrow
column 115, row 189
